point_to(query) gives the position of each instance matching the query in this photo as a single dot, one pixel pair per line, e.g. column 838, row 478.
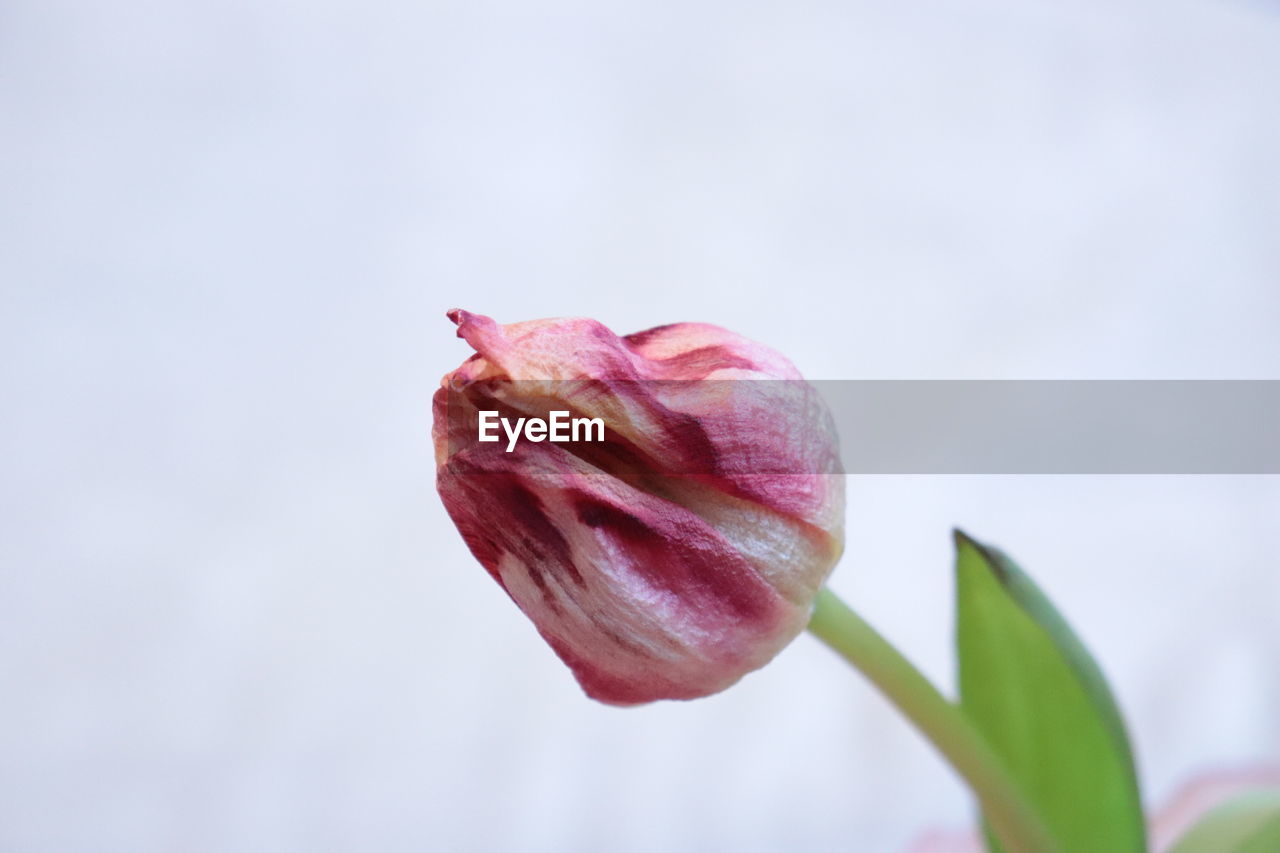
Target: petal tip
column 458, row 316
column 483, row 334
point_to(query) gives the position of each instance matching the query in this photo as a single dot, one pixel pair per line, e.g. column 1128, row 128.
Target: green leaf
column 1249, row 823
column 1034, row 691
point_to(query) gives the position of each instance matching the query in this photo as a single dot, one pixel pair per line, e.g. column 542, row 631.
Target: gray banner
column 1057, row 427
column 913, row 427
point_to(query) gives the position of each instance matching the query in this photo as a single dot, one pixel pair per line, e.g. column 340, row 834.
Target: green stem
column 1012, row 820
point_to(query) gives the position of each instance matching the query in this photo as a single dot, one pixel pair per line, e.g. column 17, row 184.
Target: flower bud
column 676, row 549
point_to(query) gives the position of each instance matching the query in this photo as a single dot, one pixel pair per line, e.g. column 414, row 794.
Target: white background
column 233, row 614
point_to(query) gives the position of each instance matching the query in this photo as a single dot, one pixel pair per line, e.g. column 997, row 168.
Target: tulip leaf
column 1249, row 823
column 1036, row 694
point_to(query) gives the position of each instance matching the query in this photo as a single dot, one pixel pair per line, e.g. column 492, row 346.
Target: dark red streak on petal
column 537, row 535
column 695, row 446
column 671, row 560
column 698, row 363
column 639, row 339
column 501, row 515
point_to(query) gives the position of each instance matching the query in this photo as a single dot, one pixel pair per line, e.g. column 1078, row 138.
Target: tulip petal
column 638, row 595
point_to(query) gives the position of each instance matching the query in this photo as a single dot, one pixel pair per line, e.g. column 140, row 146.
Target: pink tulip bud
column 678, row 550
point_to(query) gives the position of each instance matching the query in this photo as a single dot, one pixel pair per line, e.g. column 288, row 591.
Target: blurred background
column 233, row 614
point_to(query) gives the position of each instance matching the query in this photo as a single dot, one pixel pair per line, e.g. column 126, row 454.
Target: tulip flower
column 679, row 543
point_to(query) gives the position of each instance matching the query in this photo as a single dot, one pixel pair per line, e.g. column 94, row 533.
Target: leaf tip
column 992, row 558
column 962, row 539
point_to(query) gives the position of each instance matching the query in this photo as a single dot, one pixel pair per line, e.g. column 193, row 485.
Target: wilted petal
column 680, row 553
